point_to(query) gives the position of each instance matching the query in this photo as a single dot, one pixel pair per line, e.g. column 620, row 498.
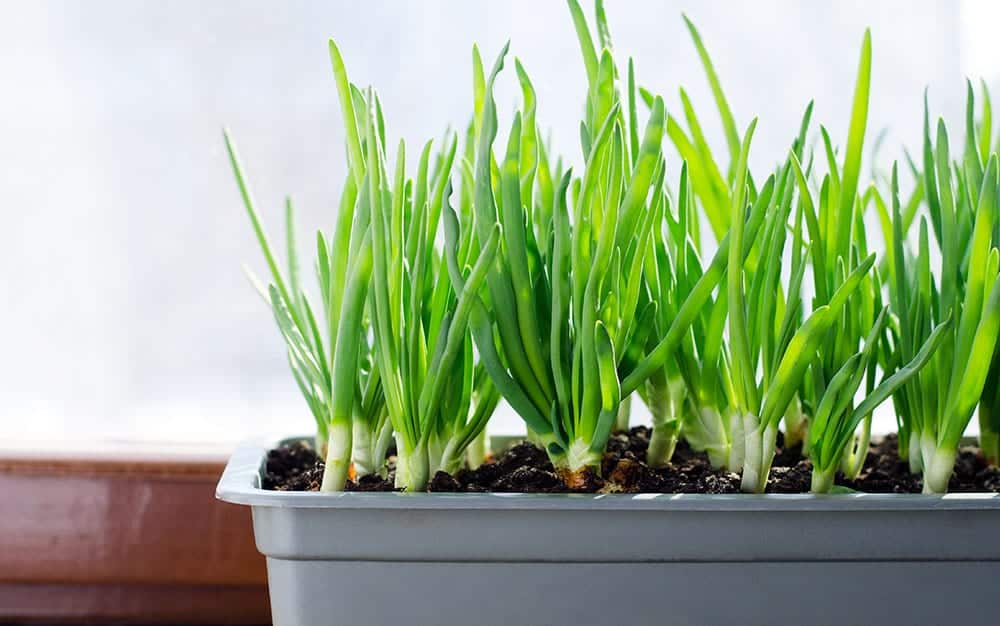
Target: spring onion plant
column 334, row 355
column 438, row 400
column 687, row 392
column 332, row 363
column 978, row 140
column 837, row 237
column 934, row 409
column 560, row 330
column 694, row 340
column 771, row 348
column 708, row 416
column 690, row 392
column 562, row 315
column 837, row 240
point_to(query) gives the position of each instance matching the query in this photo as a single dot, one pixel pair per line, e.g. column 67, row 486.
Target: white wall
column 125, row 312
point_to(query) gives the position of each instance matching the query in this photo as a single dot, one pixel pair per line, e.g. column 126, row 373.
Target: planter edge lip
column 240, row 484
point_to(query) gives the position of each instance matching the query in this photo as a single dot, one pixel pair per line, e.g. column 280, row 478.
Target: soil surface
column 524, row 468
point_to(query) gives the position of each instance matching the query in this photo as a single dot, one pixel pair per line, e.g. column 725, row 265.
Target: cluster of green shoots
column 733, row 305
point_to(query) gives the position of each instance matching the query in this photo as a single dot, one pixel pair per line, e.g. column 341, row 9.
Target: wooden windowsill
column 124, row 532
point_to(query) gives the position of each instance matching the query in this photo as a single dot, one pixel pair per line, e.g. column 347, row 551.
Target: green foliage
column 934, row 409
column 566, row 291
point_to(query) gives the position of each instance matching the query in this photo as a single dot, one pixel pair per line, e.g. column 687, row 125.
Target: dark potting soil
column 525, row 468
column 297, row 467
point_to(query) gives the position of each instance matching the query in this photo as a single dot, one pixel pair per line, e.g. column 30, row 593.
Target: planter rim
column 240, row 484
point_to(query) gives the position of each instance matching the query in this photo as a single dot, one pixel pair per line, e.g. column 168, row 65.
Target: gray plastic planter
column 553, row 560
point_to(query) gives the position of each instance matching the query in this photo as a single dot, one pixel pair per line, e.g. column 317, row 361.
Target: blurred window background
column 126, row 314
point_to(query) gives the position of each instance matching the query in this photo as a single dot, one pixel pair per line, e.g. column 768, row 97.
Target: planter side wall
column 625, row 535
column 638, row 594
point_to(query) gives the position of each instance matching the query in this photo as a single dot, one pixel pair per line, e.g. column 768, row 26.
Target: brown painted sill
column 124, row 533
